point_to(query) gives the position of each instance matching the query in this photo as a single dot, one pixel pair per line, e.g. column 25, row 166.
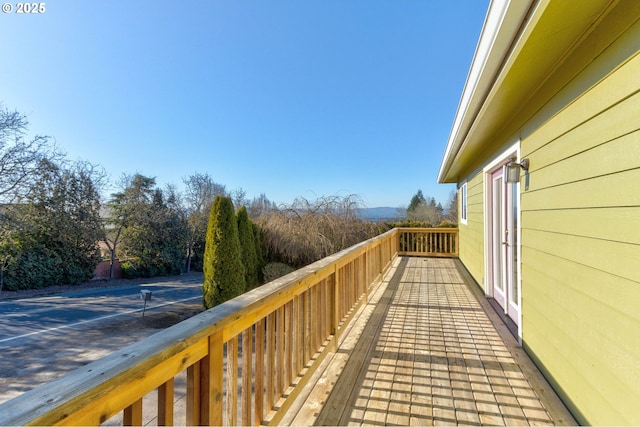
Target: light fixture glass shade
column 513, row 172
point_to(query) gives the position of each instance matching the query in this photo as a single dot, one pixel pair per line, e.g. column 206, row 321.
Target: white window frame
column 464, row 212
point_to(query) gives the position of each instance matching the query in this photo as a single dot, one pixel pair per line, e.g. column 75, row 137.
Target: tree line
column 56, row 225
column 424, row 211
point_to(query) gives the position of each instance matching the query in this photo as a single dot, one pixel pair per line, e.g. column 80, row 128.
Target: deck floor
column 427, row 349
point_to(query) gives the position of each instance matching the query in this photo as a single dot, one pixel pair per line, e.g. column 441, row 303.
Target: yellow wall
column 580, row 221
column 581, row 249
column 472, row 233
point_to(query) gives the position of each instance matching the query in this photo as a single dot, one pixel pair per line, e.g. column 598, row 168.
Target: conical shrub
column 248, row 247
column 223, row 269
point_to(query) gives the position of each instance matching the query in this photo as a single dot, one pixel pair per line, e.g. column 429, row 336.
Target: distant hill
column 378, row 214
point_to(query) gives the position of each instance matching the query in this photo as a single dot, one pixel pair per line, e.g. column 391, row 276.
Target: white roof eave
column 502, row 25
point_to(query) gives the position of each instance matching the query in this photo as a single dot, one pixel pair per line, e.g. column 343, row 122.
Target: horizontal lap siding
column 472, row 234
column 581, row 248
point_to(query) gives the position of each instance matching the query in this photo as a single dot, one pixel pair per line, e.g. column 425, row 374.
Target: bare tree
column 200, row 192
column 239, row 197
column 308, row 230
column 112, row 226
column 260, row 205
column 452, row 208
column 20, row 159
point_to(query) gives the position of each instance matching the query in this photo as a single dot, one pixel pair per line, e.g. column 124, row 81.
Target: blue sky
column 282, row 97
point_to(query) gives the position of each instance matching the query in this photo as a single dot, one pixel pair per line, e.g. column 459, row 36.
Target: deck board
column 430, row 353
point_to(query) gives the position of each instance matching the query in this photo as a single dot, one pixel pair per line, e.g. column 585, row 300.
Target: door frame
column 510, row 152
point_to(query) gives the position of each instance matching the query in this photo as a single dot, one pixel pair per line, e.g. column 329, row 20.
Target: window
column 463, row 203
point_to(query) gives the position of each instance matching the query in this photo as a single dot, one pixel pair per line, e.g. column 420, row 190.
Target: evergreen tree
column 260, row 252
column 152, row 228
column 417, row 200
column 223, row 269
column 425, row 209
column 50, row 236
column 248, row 246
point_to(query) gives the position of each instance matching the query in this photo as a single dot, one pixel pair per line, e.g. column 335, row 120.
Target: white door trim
column 510, row 152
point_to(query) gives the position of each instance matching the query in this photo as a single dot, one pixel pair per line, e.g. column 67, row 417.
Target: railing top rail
column 105, row 374
column 428, row 229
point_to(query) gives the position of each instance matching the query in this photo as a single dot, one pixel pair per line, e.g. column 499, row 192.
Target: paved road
column 42, row 338
column 33, row 317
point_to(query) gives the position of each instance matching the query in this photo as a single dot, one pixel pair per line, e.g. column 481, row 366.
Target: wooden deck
column 427, row 350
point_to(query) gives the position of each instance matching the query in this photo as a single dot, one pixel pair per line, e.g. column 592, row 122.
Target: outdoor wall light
column 513, row 170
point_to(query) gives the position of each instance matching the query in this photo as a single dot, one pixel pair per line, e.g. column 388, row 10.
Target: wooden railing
column 431, row 242
column 246, row 360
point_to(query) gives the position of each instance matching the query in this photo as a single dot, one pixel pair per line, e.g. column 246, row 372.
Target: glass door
column 503, row 220
column 498, row 231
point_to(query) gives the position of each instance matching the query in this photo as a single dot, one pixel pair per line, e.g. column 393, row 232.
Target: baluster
column 133, row 414
column 304, row 326
column 299, row 321
column 232, row 382
column 165, row 403
column 259, row 374
column 280, row 368
column 193, row 394
column 271, row 359
column 247, row 375
column 289, row 349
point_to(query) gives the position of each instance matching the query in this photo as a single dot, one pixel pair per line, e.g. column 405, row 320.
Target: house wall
column 471, row 234
column 581, row 248
column 580, row 219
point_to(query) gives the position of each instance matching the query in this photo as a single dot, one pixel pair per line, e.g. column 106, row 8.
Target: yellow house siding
column 581, row 246
column 586, row 357
column 574, row 94
column 472, row 233
column 613, row 224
